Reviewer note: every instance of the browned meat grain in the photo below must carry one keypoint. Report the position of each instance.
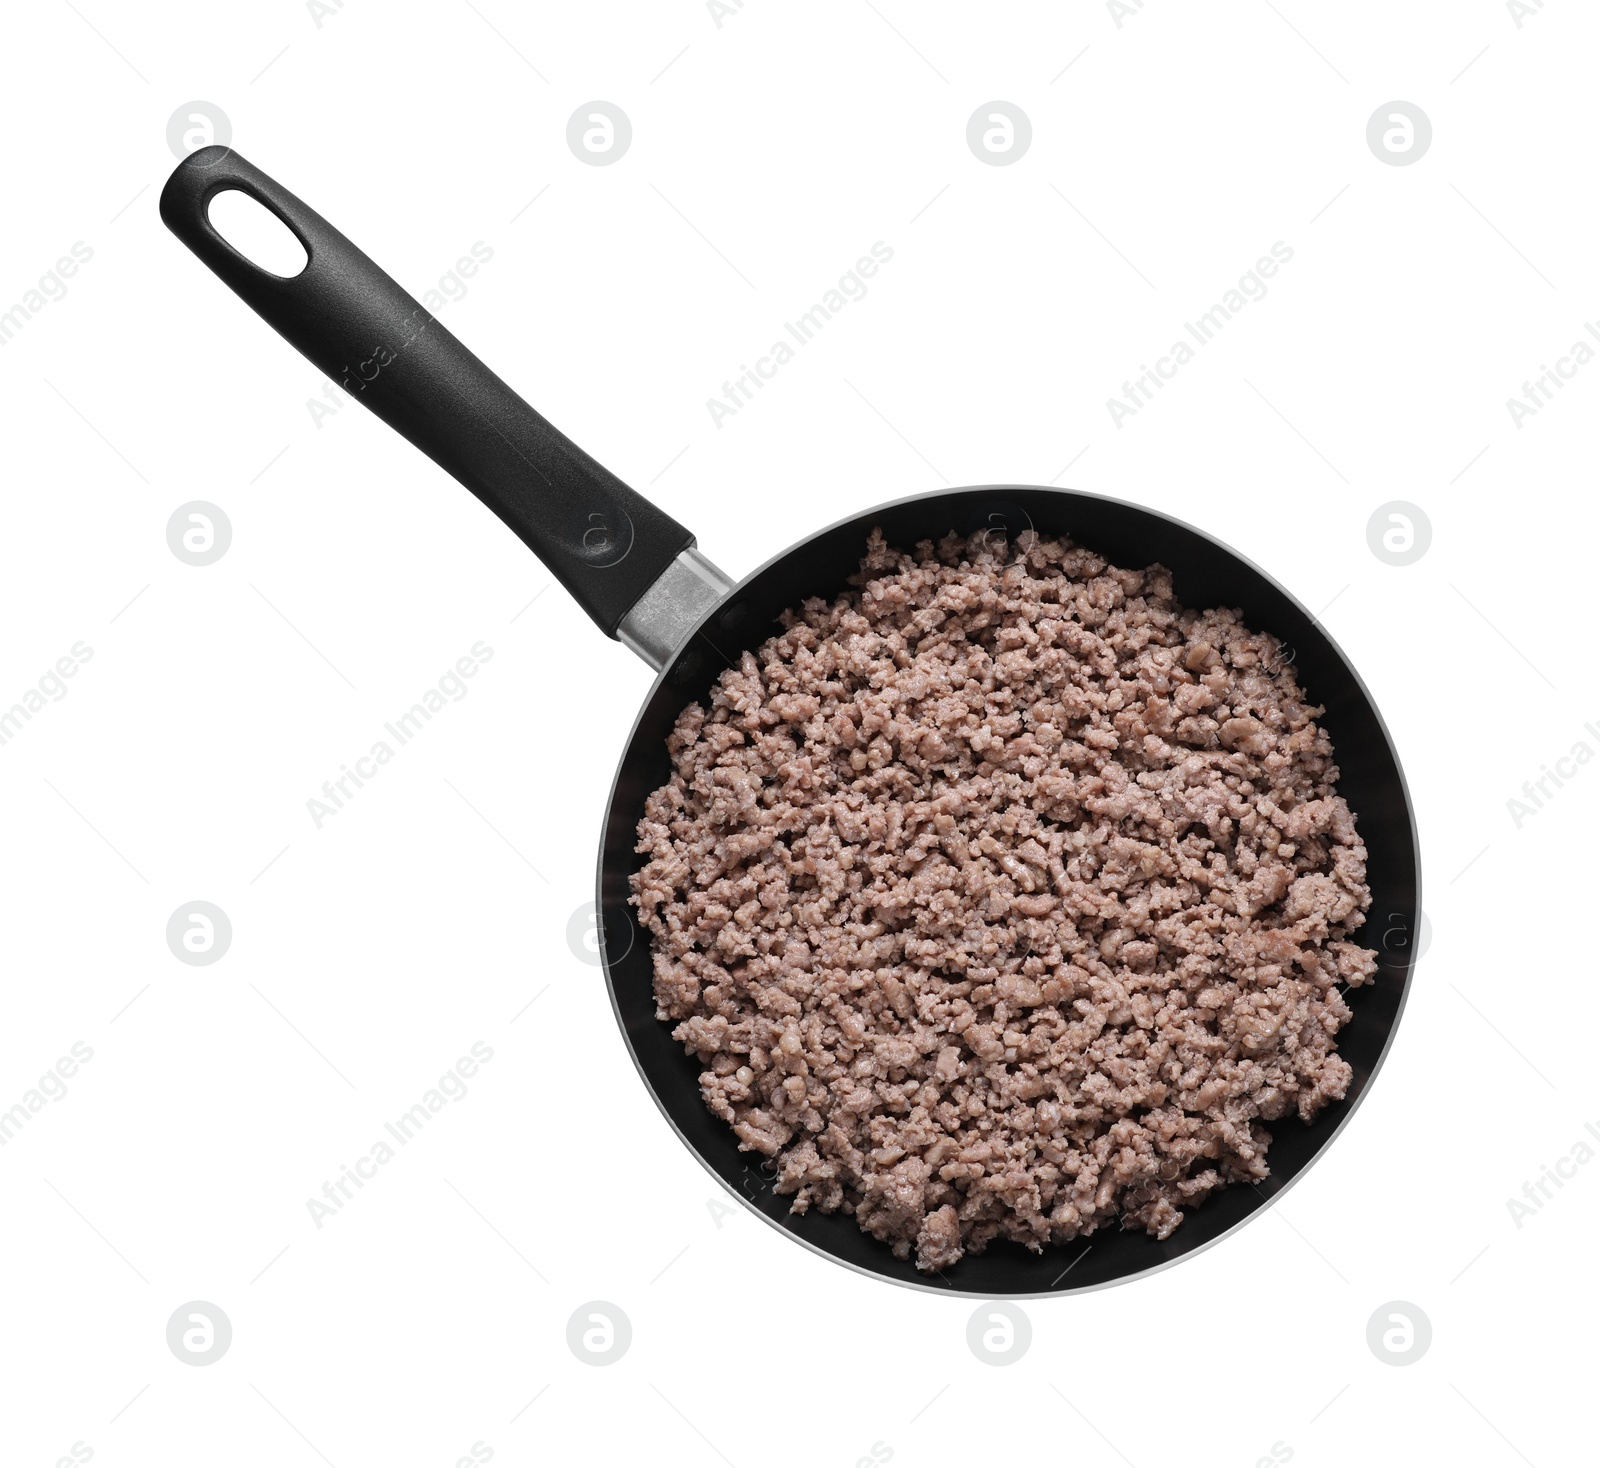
(1004, 897)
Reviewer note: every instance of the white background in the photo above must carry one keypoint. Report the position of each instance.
(1169, 153)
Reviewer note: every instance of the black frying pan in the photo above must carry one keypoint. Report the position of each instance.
(636, 572)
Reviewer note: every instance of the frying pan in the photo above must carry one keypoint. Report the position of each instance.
(638, 574)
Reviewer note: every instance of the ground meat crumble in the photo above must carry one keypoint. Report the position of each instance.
(1004, 897)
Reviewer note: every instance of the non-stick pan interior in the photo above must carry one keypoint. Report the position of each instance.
(1205, 574)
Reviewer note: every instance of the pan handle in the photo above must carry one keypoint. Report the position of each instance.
(608, 545)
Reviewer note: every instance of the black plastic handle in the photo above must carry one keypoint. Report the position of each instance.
(605, 543)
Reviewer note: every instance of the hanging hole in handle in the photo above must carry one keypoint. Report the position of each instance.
(257, 233)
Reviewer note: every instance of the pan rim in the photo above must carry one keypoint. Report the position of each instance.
(950, 1287)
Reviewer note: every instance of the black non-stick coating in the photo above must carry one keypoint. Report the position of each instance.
(1206, 574)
